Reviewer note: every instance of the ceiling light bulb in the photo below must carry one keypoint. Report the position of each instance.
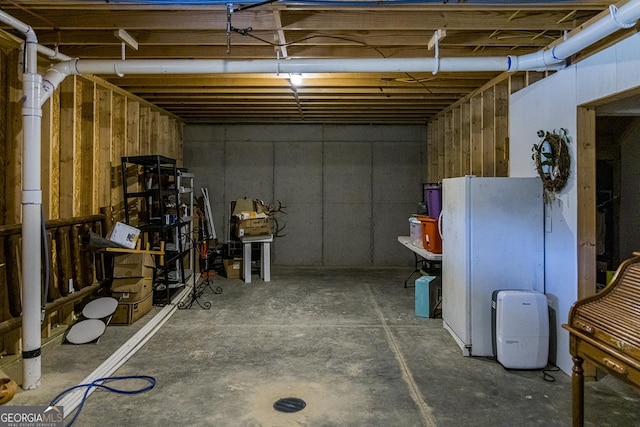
(296, 79)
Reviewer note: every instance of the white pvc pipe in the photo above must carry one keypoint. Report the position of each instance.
(14, 23)
(53, 54)
(31, 218)
(275, 66)
(627, 14)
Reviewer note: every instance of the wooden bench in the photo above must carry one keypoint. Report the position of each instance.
(604, 329)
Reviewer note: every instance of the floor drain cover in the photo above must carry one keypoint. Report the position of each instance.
(289, 404)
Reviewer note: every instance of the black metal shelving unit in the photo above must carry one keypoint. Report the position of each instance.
(154, 209)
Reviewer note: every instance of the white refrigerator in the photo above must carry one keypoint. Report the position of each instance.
(492, 239)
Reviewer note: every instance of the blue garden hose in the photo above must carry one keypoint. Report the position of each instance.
(100, 383)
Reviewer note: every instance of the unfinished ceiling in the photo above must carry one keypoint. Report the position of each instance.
(302, 30)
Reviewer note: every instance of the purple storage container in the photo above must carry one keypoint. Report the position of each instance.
(433, 199)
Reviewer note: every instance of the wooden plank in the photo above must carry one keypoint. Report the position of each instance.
(428, 161)
(54, 149)
(586, 221)
(448, 145)
(154, 129)
(86, 258)
(435, 160)
(13, 267)
(102, 189)
(133, 125)
(4, 294)
(45, 157)
(77, 149)
(441, 148)
(502, 129)
(64, 260)
(586, 186)
(12, 340)
(67, 145)
(164, 137)
(488, 133)
(54, 276)
(87, 144)
(534, 76)
(118, 144)
(3, 130)
(465, 138)
(516, 82)
(76, 265)
(455, 142)
(174, 145)
(178, 138)
(14, 140)
(145, 130)
(476, 135)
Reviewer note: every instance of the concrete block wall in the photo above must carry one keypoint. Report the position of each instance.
(348, 189)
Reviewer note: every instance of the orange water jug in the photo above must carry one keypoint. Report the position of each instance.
(431, 239)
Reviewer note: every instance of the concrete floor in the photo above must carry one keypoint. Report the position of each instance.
(344, 340)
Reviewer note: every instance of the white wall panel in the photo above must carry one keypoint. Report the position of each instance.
(550, 104)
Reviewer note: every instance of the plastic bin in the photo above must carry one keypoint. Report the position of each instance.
(428, 292)
(433, 199)
(415, 231)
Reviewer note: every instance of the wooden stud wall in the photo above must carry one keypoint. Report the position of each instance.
(472, 136)
(87, 126)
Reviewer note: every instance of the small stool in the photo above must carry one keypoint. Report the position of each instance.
(265, 256)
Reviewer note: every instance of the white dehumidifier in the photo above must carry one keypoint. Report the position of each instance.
(520, 325)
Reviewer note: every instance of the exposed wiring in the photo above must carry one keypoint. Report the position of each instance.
(100, 383)
(246, 32)
(545, 371)
(547, 376)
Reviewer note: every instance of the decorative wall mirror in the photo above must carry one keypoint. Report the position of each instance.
(552, 161)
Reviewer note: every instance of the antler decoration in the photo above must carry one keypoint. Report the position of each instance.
(271, 210)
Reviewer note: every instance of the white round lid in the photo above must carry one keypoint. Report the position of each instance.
(100, 308)
(86, 331)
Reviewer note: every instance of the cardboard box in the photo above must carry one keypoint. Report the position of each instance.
(133, 265)
(129, 312)
(232, 268)
(253, 227)
(124, 235)
(131, 289)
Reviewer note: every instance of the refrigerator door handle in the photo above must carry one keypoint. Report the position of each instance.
(440, 224)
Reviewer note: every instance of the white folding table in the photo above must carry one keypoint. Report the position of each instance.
(426, 256)
(265, 256)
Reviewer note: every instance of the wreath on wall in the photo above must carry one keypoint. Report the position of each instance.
(552, 161)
